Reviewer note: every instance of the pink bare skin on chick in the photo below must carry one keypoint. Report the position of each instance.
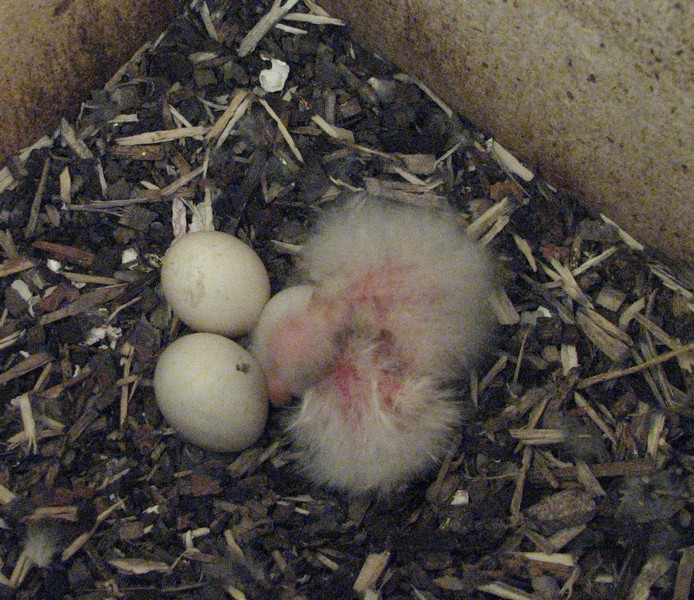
(302, 346)
(400, 309)
(366, 372)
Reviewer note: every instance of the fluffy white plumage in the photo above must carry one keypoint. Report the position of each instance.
(399, 309)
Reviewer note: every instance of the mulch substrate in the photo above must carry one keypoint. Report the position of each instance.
(573, 473)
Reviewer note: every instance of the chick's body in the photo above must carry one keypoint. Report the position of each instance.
(399, 308)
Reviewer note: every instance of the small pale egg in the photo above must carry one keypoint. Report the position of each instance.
(212, 392)
(279, 306)
(215, 283)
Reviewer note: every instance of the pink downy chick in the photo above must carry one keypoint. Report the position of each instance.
(301, 347)
(399, 310)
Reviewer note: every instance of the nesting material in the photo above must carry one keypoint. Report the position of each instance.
(400, 309)
(586, 387)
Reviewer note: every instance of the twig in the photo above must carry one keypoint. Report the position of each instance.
(128, 353)
(36, 204)
(8, 245)
(503, 590)
(266, 23)
(638, 467)
(115, 80)
(28, 422)
(486, 220)
(508, 161)
(516, 516)
(15, 265)
(427, 90)
(435, 489)
(313, 19)
(82, 539)
(597, 419)
(148, 197)
(69, 136)
(54, 392)
(283, 130)
(84, 302)
(158, 137)
(654, 569)
(371, 570)
(636, 368)
(237, 107)
(35, 361)
(207, 21)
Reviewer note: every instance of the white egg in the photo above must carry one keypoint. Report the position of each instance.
(215, 283)
(212, 392)
(279, 306)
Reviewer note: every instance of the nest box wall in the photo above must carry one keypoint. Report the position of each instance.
(54, 52)
(599, 97)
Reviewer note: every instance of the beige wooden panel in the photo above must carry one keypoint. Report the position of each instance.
(598, 95)
(53, 52)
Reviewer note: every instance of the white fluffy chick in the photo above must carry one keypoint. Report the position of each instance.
(399, 309)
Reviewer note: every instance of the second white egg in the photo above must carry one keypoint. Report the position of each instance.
(212, 391)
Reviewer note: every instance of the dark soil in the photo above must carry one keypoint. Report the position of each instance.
(561, 483)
